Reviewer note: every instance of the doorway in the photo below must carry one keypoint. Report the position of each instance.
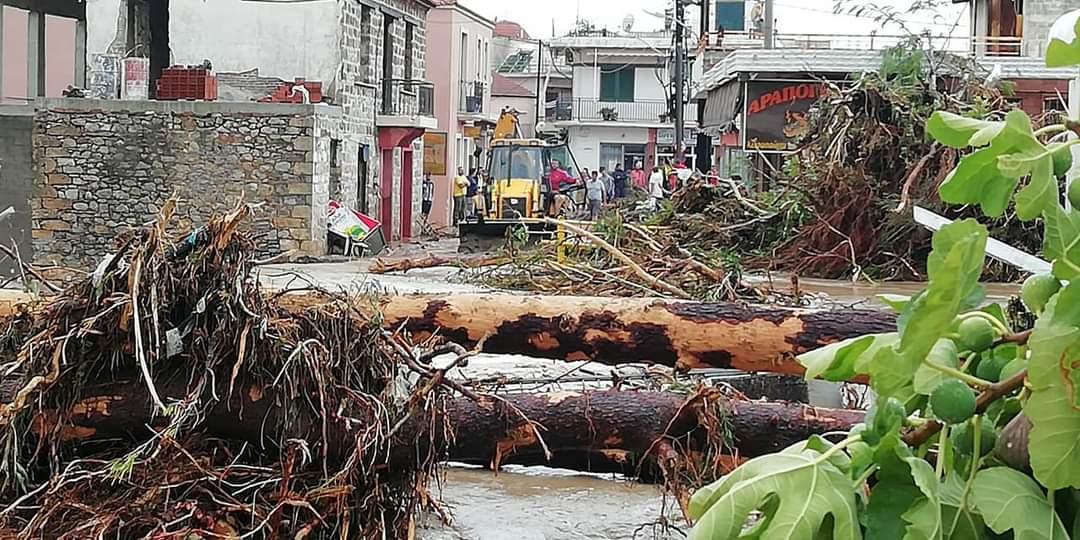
(362, 180)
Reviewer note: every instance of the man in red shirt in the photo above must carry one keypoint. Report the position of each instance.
(557, 179)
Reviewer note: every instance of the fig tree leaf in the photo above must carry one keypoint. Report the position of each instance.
(1041, 192)
(1052, 406)
(800, 495)
(904, 500)
(927, 378)
(958, 131)
(954, 267)
(959, 521)
(1064, 47)
(979, 178)
(1010, 500)
(841, 361)
(1061, 243)
(896, 302)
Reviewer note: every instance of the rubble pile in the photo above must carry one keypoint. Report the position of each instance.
(167, 396)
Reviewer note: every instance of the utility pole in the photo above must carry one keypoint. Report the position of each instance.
(680, 78)
(767, 25)
(539, 91)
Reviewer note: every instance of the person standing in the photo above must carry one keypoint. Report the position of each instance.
(461, 186)
(656, 188)
(427, 196)
(470, 195)
(620, 180)
(609, 184)
(595, 192)
(557, 178)
(638, 177)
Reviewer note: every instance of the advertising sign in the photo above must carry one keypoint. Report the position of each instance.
(776, 113)
(435, 153)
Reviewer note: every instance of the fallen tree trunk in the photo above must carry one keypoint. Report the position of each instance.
(684, 335)
(604, 431)
(385, 265)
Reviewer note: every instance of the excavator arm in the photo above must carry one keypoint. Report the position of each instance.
(507, 127)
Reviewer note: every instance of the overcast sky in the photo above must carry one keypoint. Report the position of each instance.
(793, 16)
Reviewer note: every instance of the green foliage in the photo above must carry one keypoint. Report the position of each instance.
(1052, 407)
(951, 348)
(801, 493)
(1064, 46)
(1011, 501)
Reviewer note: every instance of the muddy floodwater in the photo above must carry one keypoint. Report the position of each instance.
(538, 503)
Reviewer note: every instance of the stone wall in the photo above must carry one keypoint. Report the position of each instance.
(16, 184)
(101, 166)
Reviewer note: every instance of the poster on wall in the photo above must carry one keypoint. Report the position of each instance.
(435, 153)
(776, 113)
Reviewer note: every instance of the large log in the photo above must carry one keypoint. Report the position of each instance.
(681, 334)
(602, 431)
(684, 335)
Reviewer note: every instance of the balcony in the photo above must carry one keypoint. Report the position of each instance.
(978, 46)
(472, 98)
(407, 103)
(593, 111)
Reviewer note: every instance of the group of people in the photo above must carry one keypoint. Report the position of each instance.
(470, 193)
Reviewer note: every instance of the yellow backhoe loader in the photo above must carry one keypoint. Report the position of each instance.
(518, 177)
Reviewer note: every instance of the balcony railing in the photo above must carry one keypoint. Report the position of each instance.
(401, 97)
(472, 97)
(594, 110)
(977, 46)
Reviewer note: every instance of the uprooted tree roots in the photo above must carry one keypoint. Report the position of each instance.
(182, 316)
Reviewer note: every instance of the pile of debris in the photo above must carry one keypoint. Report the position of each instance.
(167, 395)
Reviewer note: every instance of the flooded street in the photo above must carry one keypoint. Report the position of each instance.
(538, 503)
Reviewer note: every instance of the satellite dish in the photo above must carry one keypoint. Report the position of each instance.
(628, 22)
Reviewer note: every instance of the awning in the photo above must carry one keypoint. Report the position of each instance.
(723, 105)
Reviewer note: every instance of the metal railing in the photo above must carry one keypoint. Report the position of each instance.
(406, 97)
(596, 110)
(472, 97)
(978, 46)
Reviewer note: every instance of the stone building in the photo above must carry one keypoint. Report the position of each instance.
(360, 146)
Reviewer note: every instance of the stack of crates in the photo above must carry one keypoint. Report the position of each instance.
(187, 83)
(284, 93)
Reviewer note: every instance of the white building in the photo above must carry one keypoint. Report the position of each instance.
(619, 110)
(521, 66)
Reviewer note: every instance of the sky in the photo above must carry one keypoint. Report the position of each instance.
(793, 16)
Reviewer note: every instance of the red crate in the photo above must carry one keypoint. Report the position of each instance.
(187, 83)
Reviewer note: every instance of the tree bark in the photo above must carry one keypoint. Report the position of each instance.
(615, 331)
(684, 335)
(602, 431)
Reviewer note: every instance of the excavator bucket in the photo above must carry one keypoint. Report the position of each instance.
(494, 235)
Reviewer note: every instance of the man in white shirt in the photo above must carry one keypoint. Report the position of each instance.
(595, 192)
(656, 188)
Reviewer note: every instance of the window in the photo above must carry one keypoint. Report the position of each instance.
(463, 69)
(409, 51)
(616, 83)
(365, 43)
(1053, 104)
(479, 55)
(388, 48)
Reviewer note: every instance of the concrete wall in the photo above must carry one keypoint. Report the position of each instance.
(59, 55)
(282, 40)
(646, 84)
(1039, 16)
(100, 166)
(16, 185)
(585, 141)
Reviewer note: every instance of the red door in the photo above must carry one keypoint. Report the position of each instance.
(406, 193)
(386, 194)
